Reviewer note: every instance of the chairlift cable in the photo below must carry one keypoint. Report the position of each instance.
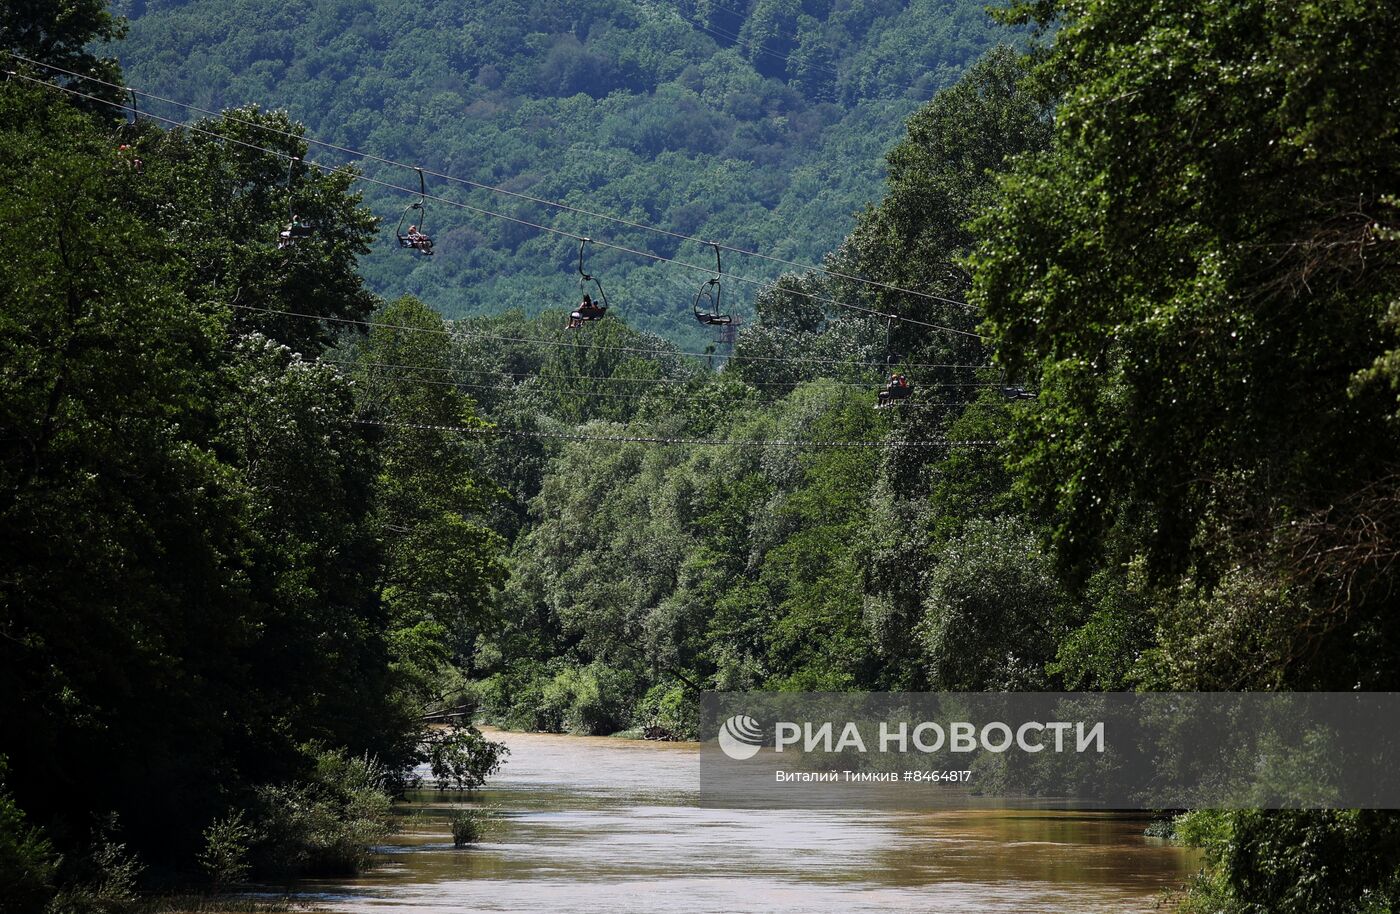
(524, 387)
(615, 379)
(488, 431)
(504, 191)
(566, 344)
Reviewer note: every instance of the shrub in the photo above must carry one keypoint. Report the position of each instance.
(516, 699)
(593, 700)
(103, 881)
(28, 861)
(226, 848)
(326, 825)
(468, 826)
(462, 759)
(1163, 827)
(669, 712)
(556, 697)
(1295, 861)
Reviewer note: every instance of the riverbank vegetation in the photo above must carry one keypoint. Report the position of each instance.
(243, 530)
(209, 611)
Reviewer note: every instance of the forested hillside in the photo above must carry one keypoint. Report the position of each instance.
(760, 124)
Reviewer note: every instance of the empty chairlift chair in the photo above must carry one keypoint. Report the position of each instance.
(707, 304)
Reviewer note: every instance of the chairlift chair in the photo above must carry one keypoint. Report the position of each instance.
(297, 228)
(589, 308)
(416, 238)
(710, 294)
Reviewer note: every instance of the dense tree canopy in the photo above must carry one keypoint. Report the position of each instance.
(1203, 272)
(198, 578)
(62, 33)
(756, 123)
(1200, 271)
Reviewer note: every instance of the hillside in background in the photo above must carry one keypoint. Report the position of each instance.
(761, 123)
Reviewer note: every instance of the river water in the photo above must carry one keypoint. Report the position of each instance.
(585, 824)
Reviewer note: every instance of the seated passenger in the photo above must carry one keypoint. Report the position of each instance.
(588, 310)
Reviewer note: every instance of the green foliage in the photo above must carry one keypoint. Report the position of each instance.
(596, 699)
(1290, 862)
(460, 758)
(1189, 370)
(325, 824)
(644, 111)
(1202, 270)
(943, 174)
(514, 698)
(468, 825)
(221, 204)
(101, 880)
(62, 33)
(28, 861)
(116, 514)
(561, 697)
(1105, 650)
(439, 556)
(230, 532)
(994, 611)
(226, 849)
(640, 571)
(194, 576)
(669, 711)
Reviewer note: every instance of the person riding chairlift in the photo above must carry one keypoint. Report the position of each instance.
(419, 240)
(898, 389)
(127, 152)
(297, 228)
(587, 311)
(286, 238)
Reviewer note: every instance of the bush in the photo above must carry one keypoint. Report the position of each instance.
(1295, 862)
(103, 881)
(516, 698)
(468, 825)
(462, 759)
(1164, 828)
(28, 861)
(554, 698)
(594, 700)
(668, 712)
(326, 825)
(226, 848)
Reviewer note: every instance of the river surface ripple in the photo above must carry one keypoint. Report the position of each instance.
(585, 824)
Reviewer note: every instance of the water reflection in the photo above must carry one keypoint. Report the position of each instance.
(598, 825)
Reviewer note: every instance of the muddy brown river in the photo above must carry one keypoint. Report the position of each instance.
(585, 824)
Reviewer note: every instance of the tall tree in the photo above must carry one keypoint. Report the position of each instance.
(222, 190)
(1204, 269)
(63, 33)
(115, 514)
(189, 566)
(441, 560)
(1198, 269)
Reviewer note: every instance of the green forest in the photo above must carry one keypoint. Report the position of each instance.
(265, 508)
(761, 125)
